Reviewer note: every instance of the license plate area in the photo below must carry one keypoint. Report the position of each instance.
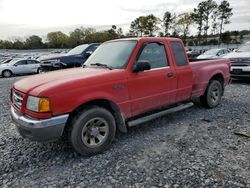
(237, 71)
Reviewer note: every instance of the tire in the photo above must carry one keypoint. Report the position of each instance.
(92, 131)
(6, 73)
(213, 94)
(38, 71)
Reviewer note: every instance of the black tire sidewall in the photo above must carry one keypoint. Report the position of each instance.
(211, 85)
(6, 71)
(81, 120)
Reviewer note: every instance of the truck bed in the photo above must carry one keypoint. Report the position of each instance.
(203, 70)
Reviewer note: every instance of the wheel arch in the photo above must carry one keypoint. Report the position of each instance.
(109, 105)
(220, 78)
(6, 70)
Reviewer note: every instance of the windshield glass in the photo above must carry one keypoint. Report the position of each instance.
(244, 48)
(113, 54)
(211, 52)
(78, 50)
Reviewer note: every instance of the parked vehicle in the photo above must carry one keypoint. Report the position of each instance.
(7, 60)
(74, 58)
(214, 53)
(19, 66)
(193, 53)
(124, 83)
(240, 61)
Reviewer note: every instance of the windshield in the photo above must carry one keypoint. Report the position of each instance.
(113, 54)
(78, 50)
(211, 52)
(244, 48)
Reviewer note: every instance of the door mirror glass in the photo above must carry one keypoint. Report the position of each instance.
(141, 65)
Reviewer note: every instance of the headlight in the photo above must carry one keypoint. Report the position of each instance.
(38, 104)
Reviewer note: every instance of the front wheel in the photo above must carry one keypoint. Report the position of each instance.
(213, 94)
(92, 131)
(6, 73)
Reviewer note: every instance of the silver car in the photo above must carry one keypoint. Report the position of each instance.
(19, 66)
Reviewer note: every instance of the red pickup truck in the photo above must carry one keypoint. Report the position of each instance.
(124, 83)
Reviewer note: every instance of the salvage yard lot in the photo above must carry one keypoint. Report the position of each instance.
(196, 147)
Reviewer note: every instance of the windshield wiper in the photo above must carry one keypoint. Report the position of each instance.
(102, 65)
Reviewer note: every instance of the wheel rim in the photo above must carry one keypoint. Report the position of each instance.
(214, 94)
(95, 132)
(7, 74)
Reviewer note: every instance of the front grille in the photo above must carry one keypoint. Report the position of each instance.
(17, 99)
(240, 65)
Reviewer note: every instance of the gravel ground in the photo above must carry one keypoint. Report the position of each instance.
(192, 148)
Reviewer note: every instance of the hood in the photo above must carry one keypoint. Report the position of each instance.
(48, 84)
(51, 57)
(238, 55)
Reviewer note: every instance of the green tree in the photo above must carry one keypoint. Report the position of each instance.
(197, 16)
(76, 37)
(34, 42)
(183, 25)
(139, 26)
(57, 39)
(151, 24)
(209, 6)
(226, 37)
(144, 25)
(168, 20)
(6, 44)
(224, 12)
(18, 44)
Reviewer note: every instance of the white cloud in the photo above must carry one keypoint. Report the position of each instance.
(24, 17)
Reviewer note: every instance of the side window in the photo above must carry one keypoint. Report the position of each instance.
(22, 62)
(93, 48)
(179, 55)
(221, 52)
(154, 53)
(31, 62)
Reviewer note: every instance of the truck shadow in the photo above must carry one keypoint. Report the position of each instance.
(245, 81)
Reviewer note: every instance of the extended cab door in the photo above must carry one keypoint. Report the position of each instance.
(154, 88)
(184, 73)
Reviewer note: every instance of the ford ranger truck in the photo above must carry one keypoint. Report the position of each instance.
(125, 82)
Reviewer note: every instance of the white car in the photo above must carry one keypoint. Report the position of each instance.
(214, 53)
(19, 66)
(240, 61)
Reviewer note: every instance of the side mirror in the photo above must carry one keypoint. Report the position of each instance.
(141, 65)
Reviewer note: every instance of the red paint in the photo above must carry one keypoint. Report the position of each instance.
(140, 92)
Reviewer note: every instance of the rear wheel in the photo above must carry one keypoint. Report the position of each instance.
(92, 131)
(6, 73)
(213, 94)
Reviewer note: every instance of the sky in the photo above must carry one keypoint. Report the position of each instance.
(21, 18)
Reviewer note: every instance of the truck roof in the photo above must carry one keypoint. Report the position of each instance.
(147, 38)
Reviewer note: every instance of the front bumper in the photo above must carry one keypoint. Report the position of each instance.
(39, 130)
(240, 71)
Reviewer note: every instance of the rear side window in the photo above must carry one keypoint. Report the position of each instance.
(179, 54)
(154, 53)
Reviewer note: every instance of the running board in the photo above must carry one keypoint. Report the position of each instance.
(159, 114)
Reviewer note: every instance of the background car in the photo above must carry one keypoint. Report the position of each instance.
(19, 66)
(193, 53)
(240, 61)
(214, 53)
(74, 58)
(4, 61)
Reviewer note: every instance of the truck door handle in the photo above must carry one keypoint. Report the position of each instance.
(170, 75)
